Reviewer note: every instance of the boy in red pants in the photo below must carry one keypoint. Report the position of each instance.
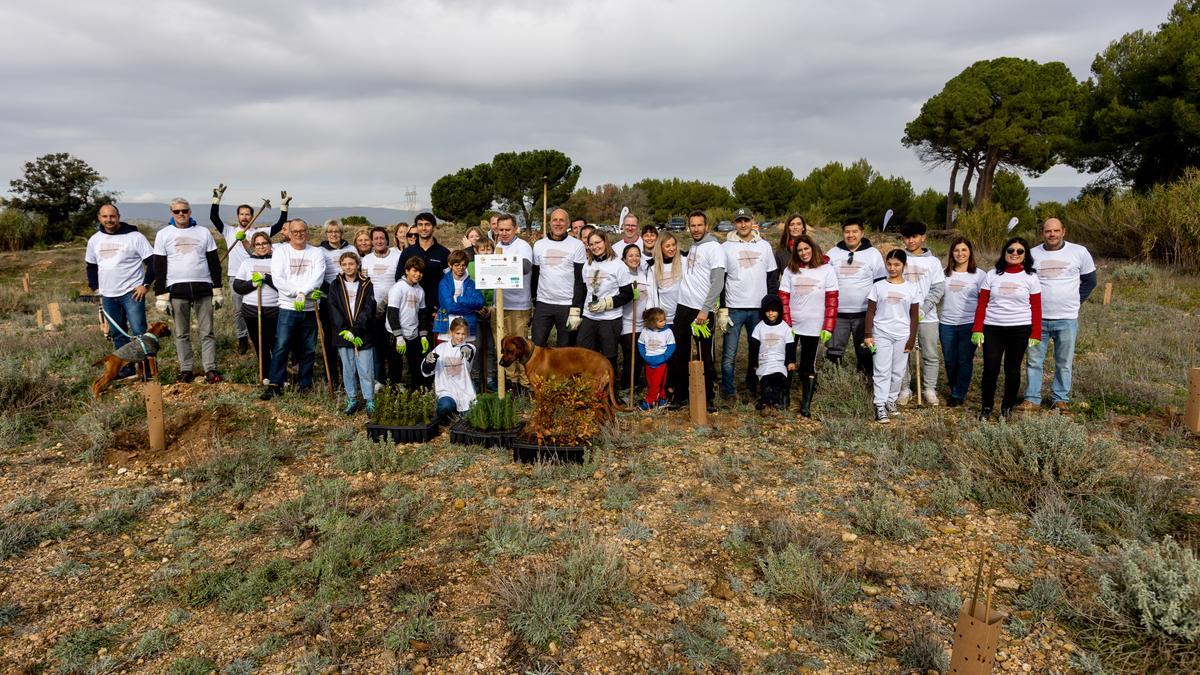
(656, 344)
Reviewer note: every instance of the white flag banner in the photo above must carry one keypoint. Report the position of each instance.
(954, 215)
(621, 220)
(1012, 223)
(886, 217)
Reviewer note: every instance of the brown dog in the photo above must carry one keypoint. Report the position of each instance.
(544, 362)
(130, 353)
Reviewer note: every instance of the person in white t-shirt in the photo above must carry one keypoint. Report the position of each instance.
(893, 309)
(1068, 276)
(120, 269)
(668, 271)
(923, 270)
(772, 350)
(859, 265)
(253, 281)
(297, 272)
(557, 280)
(449, 364)
(963, 281)
(1008, 321)
(609, 288)
(700, 289)
(518, 303)
(809, 291)
(380, 266)
(188, 276)
(645, 295)
(751, 274)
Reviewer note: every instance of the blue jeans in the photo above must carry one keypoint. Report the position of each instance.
(1063, 332)
(295, 331)
(743, 319)
(358, 372)
(959, 355)
(127, 315)
(446, 406)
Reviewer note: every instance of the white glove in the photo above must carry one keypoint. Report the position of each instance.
(218, 299)
(724, 323)
(432, 358)
(467, 351)
(162, 303)
(601, 305)
(574, 318)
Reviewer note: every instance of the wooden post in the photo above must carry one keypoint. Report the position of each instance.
(55, 314)
(499, 336)
(1191, 418)
(25, 282)
(697, 402)
(41, 319)
(154, 407)
(1107, 292)
(545, 198)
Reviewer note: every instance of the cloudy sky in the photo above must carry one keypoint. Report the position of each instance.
(353, 102)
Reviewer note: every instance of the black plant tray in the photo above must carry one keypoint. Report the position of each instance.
(463, 433)
(532, 451)
(413, 434)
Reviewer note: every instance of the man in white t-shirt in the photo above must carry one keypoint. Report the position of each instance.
(699, 290)
(924, 271)
(750, 274)
(557, 281)
(518, 304)
(1068, 276)
(297, 272)
(858, 265)
(120, 269)
(187, 274)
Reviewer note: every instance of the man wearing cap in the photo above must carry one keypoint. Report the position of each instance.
(924, 271)
(750, 274)
(1068, 276)
(699, 290)
(858, 265)
(557, 283)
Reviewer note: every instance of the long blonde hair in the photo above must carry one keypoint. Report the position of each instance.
(676, 269)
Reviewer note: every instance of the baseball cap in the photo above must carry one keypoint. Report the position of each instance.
(742, 214)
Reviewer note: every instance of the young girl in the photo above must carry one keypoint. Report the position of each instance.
(1008, 320)
(956, 318)
(656, 344)
(645, 295)
(255, 273)
(450, 366)
(809, 291)
(773, 350)
(457, 297)
(891, 331)
(609, 287)
(351, 305)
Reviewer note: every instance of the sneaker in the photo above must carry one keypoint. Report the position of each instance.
(985, 414)
(243, 345)
(661, 403)
(371, 407)
(905, 397)
(184, 376)
(1028, 406)
(891, 408)
(351, 407)
(644, 405)
(712, 408)
(953, 402)
(270, 392)
(881, 415)
(212, 377)
(931, 398)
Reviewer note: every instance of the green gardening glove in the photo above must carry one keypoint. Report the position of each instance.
(976, 339)
(257, 279)
(357, 342)
(298, 305)
(346, 335)
(424, 344)
(240, 235)
(1033, 342)
(401, 346)
(315, 295)
(701, 330)
(825, 336)
(635, 292)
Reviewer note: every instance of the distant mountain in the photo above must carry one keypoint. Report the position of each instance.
(157, 214)
(1061, 194)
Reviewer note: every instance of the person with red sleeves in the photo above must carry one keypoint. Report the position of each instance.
(1008, 321)
(809, 291)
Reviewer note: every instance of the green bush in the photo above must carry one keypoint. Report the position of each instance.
(20, 229)
(398, 407)
(985, 226)
(489, 412)
(797, 575)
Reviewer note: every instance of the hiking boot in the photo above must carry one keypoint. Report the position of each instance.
(985, 414)
(711, 408)
(1061, 407)
(930, 397)
(213, 377)
(270, 392)
(185, 376)
(243, 344)
(1028, 406)
(809, 384)
(660, 403)
(351, 407)
(881, 415)
(953, 402)
(905, 397)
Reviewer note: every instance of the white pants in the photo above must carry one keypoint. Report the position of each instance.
(927, 341)
(890, 363)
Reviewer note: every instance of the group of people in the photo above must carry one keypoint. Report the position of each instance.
(645, 302)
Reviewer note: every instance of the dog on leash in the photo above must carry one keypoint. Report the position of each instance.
(544, 362)
(136, 352)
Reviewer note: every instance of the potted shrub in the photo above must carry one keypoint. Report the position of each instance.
(491, 422)
(567, 414)
(404, 416)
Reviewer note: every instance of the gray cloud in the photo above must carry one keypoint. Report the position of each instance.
(349, 103)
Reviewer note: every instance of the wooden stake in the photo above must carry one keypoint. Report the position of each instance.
(260, 344)
(25, 282)
(41, 319)
(154, 407)
(1107, 292)
(55, 314)
(321, 346)
(1191, 418)
(499, 336)
(545, 198)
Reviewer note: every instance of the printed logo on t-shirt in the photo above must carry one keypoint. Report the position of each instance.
(379, 270)
(1009, 288)
(410, 301)
(453, 365)
(771, 340)
(554, 257)
(298, 266)
(956, 285)
(850, 269)
(804, 285)
(1052, 269)
(914, 273)
(748, 259)
(654, 342)
(186, 246)
(110, 250)
(894, 298)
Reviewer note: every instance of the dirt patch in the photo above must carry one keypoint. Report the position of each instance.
(190, 435)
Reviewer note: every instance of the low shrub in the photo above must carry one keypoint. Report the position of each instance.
(566, 411)
(885, 516)
(489, 412)
(399, 407)
(796, 575)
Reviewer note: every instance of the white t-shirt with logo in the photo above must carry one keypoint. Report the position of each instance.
(603, 279)
(333, 260)
(962, 297)
(452, 375)
(746, 266)
(893, 303)
(924, 271)
(296, 274)
(408, 300)
(186, 250)
(556, 262)
(1008, 302)
(701, 260)
(239, 250)
(118, 260)
(656, 341)
(647, 298)
(270, 297)
(518, 298)
(668, 287)
(772, 347)
(806, 291)
(1059, 272)
(855, 279)
(381, 270)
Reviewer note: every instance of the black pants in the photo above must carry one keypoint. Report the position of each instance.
(806, 362)
(602, 336)
(483, 366)
(677, 368)
(269, 315)
(1007, 345)
(387, 361)
(772, 389)
(412, 360)
(851, 327)
(545, 317)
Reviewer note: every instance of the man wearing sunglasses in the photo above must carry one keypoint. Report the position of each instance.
(187, 273)
(858, 266)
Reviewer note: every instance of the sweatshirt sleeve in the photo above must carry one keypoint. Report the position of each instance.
(936, 291)
(278, 226)
(214, 217)
(160, 272)
(93, 276)
(831, 308)
(214, 267)
(1087, 284)
(786, 299)
(580, 289)
(981, 310)
(716, 286)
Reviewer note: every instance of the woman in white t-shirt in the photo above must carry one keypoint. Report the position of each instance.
(809, 291)
(609, 287)
(252, 280)
(645, 297)
(668, 270)
(890, 331)
(1008, 320)
(957, 315)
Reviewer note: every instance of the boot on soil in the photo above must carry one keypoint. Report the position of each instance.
(808, 384)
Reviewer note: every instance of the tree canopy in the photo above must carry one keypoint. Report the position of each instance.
(517, 180)
(840, 192)
(464, 195)
(675, 197)
(766, 191)
(63, 189)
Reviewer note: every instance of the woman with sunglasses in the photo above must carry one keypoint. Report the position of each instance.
(1008, 320)
(255, 273)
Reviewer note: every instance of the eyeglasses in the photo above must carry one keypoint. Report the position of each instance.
(1015, 251)
(410, 236)
(180, 212)
(850, 258)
